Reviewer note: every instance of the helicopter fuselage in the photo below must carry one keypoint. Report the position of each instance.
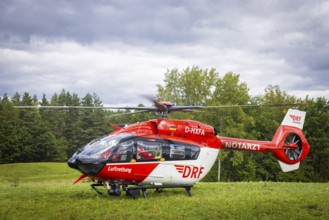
(156, 152)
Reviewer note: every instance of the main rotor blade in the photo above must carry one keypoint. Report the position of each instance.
(58, 107)
(85, 107)
(157, 107)
(249, 106)
(146, 108)
(128, 113)
(183, 108)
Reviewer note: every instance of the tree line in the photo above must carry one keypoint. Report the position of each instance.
(33, 135)
(29, 135)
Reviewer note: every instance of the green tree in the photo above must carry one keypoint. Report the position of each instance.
(93, 122)
(55, 117)
(16, 99)
(64, 123)
(72, 123)
(192, 86)
(229, 90)
(234, 122)
(36, 142)
(316, 129)
(9, 134)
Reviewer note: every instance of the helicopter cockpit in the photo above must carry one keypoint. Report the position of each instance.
(91, 158)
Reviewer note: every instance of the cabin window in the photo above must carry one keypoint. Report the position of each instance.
(180, 151)
(177, 151)
(192, 152)
(148, 150)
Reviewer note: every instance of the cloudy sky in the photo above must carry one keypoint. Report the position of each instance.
(121, 49)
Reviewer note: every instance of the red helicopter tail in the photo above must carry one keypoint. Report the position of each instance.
(288, 145)
(291, 146)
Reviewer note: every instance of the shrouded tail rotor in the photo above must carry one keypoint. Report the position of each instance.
(293, 146)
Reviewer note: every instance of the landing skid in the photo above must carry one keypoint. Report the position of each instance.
(96, 190)
(135, 191)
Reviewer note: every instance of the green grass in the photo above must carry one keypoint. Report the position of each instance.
(45, 191)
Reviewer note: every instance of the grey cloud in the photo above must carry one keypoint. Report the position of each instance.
(291, 37)
(88, 21)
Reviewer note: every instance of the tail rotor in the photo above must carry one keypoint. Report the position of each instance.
(293, 146)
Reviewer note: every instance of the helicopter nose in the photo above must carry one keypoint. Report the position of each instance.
(87, 166)
(72, 163)
(91, 169)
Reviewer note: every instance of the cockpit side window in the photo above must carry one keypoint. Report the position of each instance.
(148, 150)
(180, 151)
(123, 152)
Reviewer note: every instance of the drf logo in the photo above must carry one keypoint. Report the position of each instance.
(296, 118)
(189, 171)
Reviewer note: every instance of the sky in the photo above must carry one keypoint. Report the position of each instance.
(122, 49)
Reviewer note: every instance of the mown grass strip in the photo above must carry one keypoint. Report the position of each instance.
(51, 195)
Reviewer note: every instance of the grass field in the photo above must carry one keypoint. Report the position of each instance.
(45, 191)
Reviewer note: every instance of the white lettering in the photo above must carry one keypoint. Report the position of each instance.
(119, 169)
(241, 146)
(197, 131)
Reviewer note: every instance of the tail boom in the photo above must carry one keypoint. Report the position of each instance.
(288, 145)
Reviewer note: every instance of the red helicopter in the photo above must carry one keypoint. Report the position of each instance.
(165, 153)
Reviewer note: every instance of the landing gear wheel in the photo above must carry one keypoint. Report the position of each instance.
(115, 189)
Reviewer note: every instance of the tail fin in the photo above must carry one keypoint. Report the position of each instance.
(290, 144)
(294, 118)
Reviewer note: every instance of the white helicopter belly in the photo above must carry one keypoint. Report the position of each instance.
(183, 171)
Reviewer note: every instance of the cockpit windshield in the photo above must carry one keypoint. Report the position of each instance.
(99, 149)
